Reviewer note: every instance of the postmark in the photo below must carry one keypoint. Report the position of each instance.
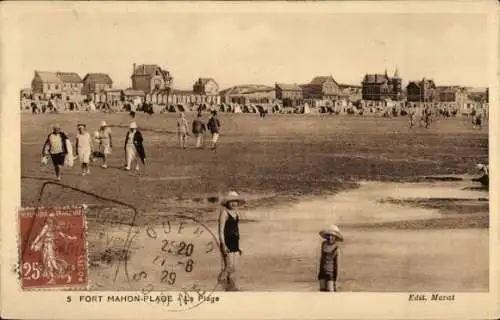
(53, 249)
(179, 257)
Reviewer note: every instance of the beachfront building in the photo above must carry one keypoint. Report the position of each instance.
(321, 88)
(381, 87)
(206, 86)
(290, 95)
(421, 91)
(64, 85)
(94, 83)
(350, 92)
(150, 77)
(248, 94)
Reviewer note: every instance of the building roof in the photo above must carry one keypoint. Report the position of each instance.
(149, 69)
(48, 76)
(375, 78)
(289, 87)
(98, 78)
(204, 81)
(321, 80)
(414, 84)
(247, 89)
(69, 77)
(418, 83)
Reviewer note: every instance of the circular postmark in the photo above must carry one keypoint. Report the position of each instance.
(178, 261)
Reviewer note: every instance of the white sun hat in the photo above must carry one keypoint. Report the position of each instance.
(334, 230)
(232, 196)
(103, 124)
(133, 125)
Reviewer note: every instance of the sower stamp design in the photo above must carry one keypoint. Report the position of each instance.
(179, 256)
(53, 248)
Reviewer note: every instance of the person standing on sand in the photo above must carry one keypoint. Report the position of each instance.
(56, 146)
(213, 126)
(134, 147)
(412, 113)
(182, 130)
(229, 237)
(199, 129)
(106, 142)
(484, 179)
(84, 148)
(328, 265)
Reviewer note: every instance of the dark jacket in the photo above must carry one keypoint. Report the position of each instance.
(63, 140)
(213, 125)
(138, 143)
(199, 126)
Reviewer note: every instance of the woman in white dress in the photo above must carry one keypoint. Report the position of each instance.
(106, 142)
(83, 148)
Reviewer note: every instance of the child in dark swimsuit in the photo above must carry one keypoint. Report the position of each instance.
(229, 237)
(328, 268)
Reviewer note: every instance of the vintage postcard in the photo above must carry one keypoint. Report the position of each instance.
(230, 160)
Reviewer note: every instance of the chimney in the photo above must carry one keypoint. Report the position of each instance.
(133, 71)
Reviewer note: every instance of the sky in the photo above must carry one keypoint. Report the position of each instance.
(253, 47)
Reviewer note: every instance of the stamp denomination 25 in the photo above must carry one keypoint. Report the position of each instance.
(53, 250)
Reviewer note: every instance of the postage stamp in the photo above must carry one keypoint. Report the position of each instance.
(53, 250)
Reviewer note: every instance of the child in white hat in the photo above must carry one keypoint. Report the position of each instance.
(328, 268)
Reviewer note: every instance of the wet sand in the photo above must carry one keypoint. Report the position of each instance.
(281, 243)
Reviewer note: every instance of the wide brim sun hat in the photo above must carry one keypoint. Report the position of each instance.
(232, 196)
(333, 230)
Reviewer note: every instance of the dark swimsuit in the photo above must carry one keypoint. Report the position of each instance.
(232, 233)
(328, 263)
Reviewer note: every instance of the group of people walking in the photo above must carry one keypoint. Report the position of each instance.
(199, 130)
(90, 148)
(99, 146)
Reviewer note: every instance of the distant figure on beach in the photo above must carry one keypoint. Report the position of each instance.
(182, 130)
(412, 114)
(328, 264)
(199, 129)
(484, 179)
(477, 120)
(229, 237)
(427, 113)
(213, 126)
